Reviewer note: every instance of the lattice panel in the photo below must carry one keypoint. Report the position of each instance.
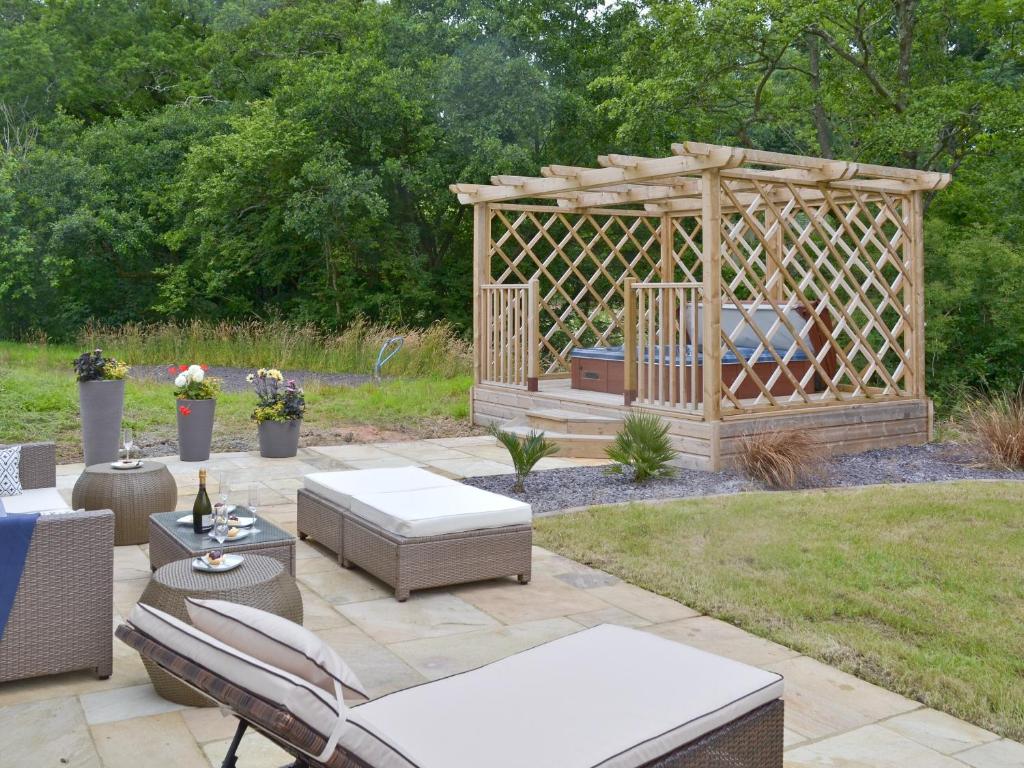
(687, 249)
(580, 262)
(817, 294)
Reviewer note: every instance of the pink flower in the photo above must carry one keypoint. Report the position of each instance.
(204, 366)
(172, 370)
(182, 368)
(184, 410)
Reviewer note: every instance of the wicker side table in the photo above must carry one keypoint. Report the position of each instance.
(132, 494)
(260, 582)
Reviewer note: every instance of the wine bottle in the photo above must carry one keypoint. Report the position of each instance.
(202, 510)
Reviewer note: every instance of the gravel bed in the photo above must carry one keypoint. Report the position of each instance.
(233, 379)
(557, 489)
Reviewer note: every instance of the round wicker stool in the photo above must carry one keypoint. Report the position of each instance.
(132, 494)
(261, 582)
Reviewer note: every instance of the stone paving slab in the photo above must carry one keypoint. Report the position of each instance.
(832, 719)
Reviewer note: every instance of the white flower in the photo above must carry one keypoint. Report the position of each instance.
(249, 378)
(198, 376)
(195, 370)
(181, 380)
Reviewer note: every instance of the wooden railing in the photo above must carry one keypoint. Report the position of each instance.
(511, 344)
(661, 335)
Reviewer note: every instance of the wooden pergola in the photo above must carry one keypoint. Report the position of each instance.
(810, 290)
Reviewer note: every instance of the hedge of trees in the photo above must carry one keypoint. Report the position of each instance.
(250, 158)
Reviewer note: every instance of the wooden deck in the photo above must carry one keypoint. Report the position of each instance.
(859, 426)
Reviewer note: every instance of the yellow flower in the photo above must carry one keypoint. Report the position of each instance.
(275, 374)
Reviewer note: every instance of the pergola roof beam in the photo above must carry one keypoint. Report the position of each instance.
(595, 178)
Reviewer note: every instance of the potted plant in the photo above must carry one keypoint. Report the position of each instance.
(278, 413)
(101, 404)
(197, 400)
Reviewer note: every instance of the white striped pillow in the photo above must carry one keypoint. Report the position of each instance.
(323, 713)
(276, 641)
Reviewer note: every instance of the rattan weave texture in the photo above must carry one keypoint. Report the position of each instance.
(407, 564)
(169, 541)
(260, 582)
(60, 621)
(751, 741)
(133, 495)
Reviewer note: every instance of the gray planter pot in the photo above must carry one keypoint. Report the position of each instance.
(101, 404)
(195, 431)
(279, 439)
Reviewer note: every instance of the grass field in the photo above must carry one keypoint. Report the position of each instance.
(39, 401)
(918, 588)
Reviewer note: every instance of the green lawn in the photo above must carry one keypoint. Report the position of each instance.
(39, 401)
(919, 589)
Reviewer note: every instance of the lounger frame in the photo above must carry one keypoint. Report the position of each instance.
(751, 741)
(415, 563)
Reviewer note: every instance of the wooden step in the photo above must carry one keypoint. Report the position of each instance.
(572, 422)
(570, 446)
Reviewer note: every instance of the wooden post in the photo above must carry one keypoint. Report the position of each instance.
(773, 255)
(711, 344)
(915, 377)
(481, 276)
(629, 342)
(668, 262)
(533, 335)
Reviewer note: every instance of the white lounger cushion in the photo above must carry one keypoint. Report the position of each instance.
(275, 640)
(608, 696)
(340, 487)
(46, 501)
(438, 511)
(308, 703)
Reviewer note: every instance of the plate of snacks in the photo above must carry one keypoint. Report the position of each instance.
(238, 521)
(217, 560)
(233, 533)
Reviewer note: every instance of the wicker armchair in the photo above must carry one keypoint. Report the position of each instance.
(61, 619)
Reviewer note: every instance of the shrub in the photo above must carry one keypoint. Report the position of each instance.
(779, 458)
(995, 425)
(276, 402)
(93, 366)
(525, 452)
(642, 444)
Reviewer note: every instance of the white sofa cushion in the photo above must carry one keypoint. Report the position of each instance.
(438, 511)
(275, 640)
(606, 696)
(46, 501)
(319, 710)
(10, 471)
(340, 487)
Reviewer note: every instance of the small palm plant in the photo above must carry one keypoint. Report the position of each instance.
(525, 452)
(643, 445)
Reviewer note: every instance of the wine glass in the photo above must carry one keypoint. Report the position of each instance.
(219, 532)
(129, 443)
(224, 489)
(254, 501)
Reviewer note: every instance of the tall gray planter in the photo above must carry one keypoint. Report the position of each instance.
(101, 404)
(279, 439)
(195, 431)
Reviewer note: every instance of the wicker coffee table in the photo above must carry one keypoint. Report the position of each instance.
(132, 494)
(169, 541)
(260, 582)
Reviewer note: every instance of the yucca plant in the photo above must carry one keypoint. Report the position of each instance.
(643, 445)
(779, 458)
(525, 452)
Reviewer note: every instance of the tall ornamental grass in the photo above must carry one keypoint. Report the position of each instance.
(994, 423)
(435, 351)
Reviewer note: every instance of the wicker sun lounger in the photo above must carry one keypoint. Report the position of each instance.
(60, 621)
(353, 522)
(747, 737)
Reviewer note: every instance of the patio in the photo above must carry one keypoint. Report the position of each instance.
(831, 718)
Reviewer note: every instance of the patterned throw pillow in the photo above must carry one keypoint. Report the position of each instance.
(10, 468)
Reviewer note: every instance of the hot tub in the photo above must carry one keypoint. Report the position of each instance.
(601, 369)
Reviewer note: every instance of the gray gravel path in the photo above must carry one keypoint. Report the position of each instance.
(557, 489)
(233, 379)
